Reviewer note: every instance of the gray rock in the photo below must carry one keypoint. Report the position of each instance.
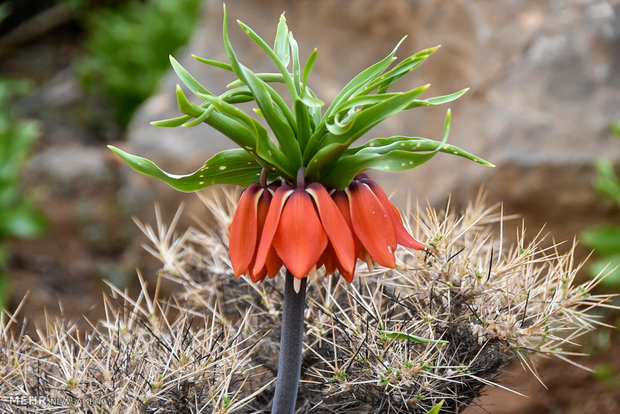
(69, 168)
(544, 78)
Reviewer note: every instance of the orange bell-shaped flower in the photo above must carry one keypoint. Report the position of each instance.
(246, 229)
(374, 221)
(300, 224)
(304, 228)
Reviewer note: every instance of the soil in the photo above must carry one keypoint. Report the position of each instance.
(91, 237)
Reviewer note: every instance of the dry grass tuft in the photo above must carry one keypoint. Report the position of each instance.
(439, 327)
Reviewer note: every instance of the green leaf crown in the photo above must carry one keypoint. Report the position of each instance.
(302, 134)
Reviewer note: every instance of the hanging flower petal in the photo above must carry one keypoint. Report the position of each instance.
(271, 225)
(273, 262)
(334, 225)
(260, 276)
(342, 202)
(244, 230)
(328, 259)
(402, 235)
(371, 224)
(300, 239)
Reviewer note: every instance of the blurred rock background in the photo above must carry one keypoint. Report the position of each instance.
(545, 88)
(544, 78)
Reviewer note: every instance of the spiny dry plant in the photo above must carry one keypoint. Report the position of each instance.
(438, 327)
(146, 356)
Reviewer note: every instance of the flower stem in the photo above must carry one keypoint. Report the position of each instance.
(291, 339)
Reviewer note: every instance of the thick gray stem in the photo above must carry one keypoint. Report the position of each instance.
(291, 340)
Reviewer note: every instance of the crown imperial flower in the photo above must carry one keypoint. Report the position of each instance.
(320, 209)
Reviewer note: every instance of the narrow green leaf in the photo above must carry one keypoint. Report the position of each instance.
(307, 69)
(323, 157)
(436, 409)
(410, 337)
(227, 125)
(279, 124)
(216, 63)
(232, 110)
(264, 147)
(187, 79)
(393, 154)
(233, 129)
(172, 122)
(362, 79)
(303, 122)
(438, 100)
(401, 69)
(185, 106)
(346, 168)
(234, 166)
(375, 114)
(451, 149)
(365, 120)
(265, 77)
(277, 99)
(280, 45)
(259, 41)
(385, 145)
(315, 111)
(200, 119)
(366, 100)
(283, 130)
(296, 64)
(311, 102)
(237, 95)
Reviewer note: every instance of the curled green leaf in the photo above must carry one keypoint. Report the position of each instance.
(234, 166)
(172, 122)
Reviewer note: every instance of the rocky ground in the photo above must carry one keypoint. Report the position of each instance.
(545, 85)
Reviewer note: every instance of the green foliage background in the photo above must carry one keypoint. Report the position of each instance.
(18, 217)
(128, 47)
(605, 240)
